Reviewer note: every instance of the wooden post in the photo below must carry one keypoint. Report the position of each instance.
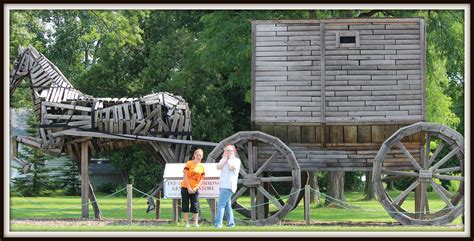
(158, 202)
(14, 144)
(85, 179)
(212, 206)
(176, 210)
(307, 194)
(129, 203)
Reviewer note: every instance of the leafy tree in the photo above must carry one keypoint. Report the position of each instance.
(137, 168)
(25, 29)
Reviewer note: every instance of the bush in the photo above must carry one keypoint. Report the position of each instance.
(107, 188)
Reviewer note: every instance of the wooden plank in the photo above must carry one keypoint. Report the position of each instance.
(423, 68)
(66, 117)
(350, 134)
(378, 134)
(389, 130)
(126, 111)
(318, 134)
(67, 106)
(308, 134)
(323, 74)
(138, 109)
(364, 134)
(294, 134)
(335, 134)
(139, 127)
(146, 129)
(281, 132)
(268, 129)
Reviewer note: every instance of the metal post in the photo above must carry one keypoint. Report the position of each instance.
(85, 179)
(307, 194)
(129, 203)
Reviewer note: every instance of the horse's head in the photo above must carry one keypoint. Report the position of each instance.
(21, 68)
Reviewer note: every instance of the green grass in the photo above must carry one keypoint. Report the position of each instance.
(115, 208)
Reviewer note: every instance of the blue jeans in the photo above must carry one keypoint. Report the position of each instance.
(224, 205)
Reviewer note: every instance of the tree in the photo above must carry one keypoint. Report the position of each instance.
(137, 168)
(38, 181)
(69, 178)
(334, 190)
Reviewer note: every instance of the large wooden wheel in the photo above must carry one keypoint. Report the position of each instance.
(437, 159)
(256, 180)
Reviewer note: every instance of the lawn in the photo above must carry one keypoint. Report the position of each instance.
(115, 208)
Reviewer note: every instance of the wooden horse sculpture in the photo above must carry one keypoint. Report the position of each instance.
(67, 117)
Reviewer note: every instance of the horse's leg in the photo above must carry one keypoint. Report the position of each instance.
(74, 153)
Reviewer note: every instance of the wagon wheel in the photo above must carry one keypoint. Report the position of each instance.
(259, 151)
(436, 159)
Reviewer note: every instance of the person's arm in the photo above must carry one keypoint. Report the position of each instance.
(221, 163)
(200, 183)
(186, 180)
(233, 164)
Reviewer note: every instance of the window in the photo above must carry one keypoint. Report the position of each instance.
(347, 39)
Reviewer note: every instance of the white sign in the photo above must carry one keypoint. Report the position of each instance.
(173, 175)
(208, 189)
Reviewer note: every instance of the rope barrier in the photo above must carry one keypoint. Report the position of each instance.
(358, 208)
(340, 203)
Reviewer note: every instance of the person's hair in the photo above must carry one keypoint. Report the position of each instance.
(201, 150)
(233, 148)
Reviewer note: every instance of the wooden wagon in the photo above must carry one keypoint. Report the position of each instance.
(345, 95)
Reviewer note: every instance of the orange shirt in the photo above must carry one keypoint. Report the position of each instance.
(195, 174)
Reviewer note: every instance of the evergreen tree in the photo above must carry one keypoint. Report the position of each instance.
(69, 177)
(38, 181)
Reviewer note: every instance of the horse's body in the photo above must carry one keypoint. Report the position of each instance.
(67, 117)
(64, 112)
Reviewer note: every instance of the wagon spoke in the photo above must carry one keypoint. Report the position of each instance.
(252, 203)
(450, 169)
(426, 150)
(277, 179)
(409, 156)
(401, 173)
(441, 194)
(277, 195)
(437, 151)
(241, 209)
(447, 177)
(427, 206)
(243, 157)
(270, 197)
(405, 193)
(267, 162)
(424, 194)
(445, 159)
(447, 193)
(238, 194)
(250, 157)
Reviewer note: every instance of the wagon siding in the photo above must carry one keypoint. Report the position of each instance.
(344, 147)
(302, 73)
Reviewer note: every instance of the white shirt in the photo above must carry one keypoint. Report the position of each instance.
(229, 177)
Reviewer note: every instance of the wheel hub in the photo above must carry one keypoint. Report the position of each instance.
(426, 175)
(251, 180)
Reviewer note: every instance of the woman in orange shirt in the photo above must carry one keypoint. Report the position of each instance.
(193, 177)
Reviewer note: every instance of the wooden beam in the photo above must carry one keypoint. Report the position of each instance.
(85, 178)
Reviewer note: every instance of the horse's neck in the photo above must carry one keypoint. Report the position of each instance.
(49, 84)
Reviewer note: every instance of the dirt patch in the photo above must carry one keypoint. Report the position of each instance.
(146, 222)
(85, 222)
